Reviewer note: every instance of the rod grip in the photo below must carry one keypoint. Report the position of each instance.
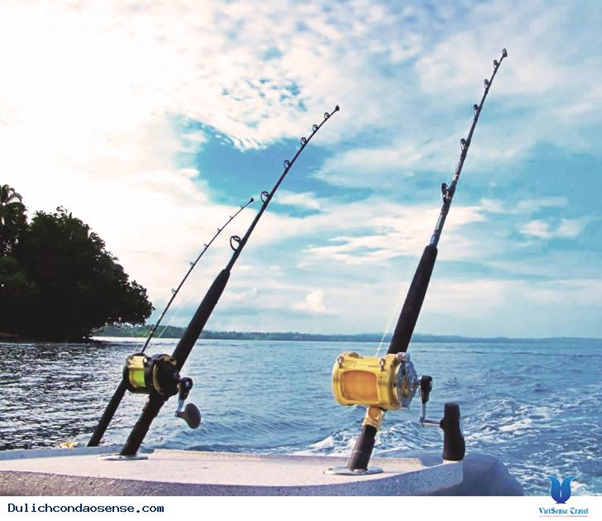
(149, 412)
(200, 318)
(107, 416)
(454, 447)
(413, 303)
(362, 451)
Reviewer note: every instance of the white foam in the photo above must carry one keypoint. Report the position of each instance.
(516, 426)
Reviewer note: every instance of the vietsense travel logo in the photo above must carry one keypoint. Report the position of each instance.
(561, 492)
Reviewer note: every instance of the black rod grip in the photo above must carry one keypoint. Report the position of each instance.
(149, 412)
(454, 447)
(413, 303)
(200, 318)
(362, 451)
(107, 416)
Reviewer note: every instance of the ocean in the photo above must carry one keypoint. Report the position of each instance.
(537, 405)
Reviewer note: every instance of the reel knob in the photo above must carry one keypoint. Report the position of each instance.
(191, 415)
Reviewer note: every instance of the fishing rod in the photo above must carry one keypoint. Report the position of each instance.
(159, 376)
(390, 382)
(174, 292)
(119, 393)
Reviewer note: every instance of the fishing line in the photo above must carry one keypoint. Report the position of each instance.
(392, 317)
(174, 292)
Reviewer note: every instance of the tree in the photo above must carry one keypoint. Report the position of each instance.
(18, 295)
(12, 218)
(75, 284)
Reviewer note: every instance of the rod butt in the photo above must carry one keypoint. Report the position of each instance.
(362, 451)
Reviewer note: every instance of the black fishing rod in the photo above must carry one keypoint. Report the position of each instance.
(159, 376)
(119, 393)
(174, 293)
(390, 382)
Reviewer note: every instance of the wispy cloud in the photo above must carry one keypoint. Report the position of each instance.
(523, 206)
(564, 229)
(403, 232)
(304, 200)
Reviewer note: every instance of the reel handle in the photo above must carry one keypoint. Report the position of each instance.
(190, 414)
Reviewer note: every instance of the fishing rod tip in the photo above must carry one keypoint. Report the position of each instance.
(504, 53)
(252, 200)
(337, 108)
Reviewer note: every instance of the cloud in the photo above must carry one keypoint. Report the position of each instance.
(524, 206)
(389, 231)
(564, 229)
(304, 200)
(534, 99)
(313, 303)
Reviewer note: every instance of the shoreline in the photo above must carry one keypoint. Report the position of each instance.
(13, 338)
(303, 337)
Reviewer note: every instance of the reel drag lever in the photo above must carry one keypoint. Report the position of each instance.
(426, 386)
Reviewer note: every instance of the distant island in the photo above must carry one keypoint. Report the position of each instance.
(176, 332)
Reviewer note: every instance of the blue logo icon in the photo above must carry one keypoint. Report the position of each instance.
(561, 492)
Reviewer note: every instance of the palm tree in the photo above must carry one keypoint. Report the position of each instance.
(12, 217)
(10, 203)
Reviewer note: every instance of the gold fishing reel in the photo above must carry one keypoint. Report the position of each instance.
(388, 382)
(159, 375)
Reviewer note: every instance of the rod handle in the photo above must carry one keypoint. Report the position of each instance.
(413, 302)
(454, 447)
(108, 414)
(200, 318)
(149, 412)
(362, 451)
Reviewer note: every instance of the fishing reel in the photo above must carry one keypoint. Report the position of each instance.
(389, 383)
(159, 375)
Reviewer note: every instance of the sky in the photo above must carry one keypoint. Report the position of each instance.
(153, 121)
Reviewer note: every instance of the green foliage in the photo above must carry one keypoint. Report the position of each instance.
(65, 282)
(12, 218)
(17, 296)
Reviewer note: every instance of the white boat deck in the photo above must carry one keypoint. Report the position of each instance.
(171, 472)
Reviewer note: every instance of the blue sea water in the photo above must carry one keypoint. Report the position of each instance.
(535, 404)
